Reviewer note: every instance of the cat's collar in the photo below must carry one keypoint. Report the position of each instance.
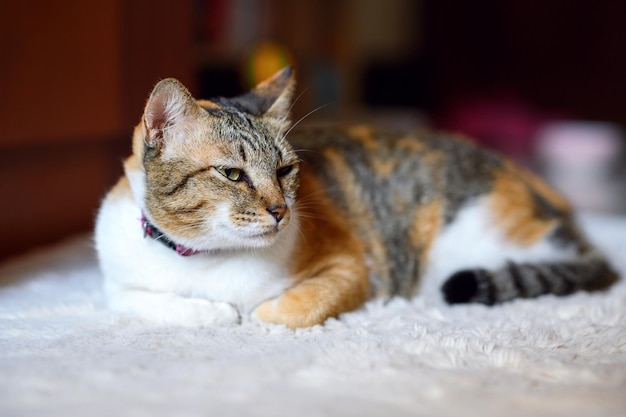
(150, 230)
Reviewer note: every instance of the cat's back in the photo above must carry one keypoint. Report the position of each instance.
(393, 171)
(399, 189)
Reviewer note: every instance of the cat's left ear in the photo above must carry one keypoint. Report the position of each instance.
(272, 97)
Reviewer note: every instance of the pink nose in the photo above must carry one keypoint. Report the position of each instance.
(277, 211)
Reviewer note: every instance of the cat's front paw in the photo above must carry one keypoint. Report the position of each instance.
(173, 309)
(288, 312)
(199, 312)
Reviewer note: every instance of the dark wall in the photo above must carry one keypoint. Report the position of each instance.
(557, 54)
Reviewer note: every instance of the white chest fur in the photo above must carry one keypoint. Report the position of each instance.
(142, 275)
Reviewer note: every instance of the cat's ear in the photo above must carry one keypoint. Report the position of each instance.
(168, 105)
(272, 97)
(279, 91)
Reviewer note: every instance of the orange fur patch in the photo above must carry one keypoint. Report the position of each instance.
(330, 276)
(139, 134)
(513, 205)
(132, 164)
(120, 190)
(364, 135)
(541, 188)
(411, 145)
(207, 104)
(384, 166)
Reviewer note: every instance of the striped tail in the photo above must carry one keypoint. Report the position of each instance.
(590, 272)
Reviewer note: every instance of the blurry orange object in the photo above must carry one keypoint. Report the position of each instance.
(265, 60)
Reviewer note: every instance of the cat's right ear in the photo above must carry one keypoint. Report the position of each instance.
(168, 105)
(270, 98)
(277, 91)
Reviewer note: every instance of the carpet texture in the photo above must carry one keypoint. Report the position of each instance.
(63, 354)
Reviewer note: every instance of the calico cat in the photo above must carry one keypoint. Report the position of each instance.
(226, 213)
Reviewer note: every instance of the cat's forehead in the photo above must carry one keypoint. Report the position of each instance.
(233, 138)
(233, 124)
(237, 128)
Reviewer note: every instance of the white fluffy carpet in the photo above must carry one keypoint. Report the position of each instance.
(63, 354)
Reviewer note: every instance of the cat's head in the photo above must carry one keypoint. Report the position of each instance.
(216, 174)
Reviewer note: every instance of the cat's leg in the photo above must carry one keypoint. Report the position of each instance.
(315, 299)
(335, 290)
(172, 309)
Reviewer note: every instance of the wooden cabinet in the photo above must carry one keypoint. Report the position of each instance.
(73, 80)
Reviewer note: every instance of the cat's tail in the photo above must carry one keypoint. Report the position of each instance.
(590, 272)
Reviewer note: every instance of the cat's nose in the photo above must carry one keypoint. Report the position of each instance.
(278, 211)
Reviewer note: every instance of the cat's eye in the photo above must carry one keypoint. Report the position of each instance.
(233, 174)
(281, 172)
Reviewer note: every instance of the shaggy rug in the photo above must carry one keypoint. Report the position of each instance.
(63, 354)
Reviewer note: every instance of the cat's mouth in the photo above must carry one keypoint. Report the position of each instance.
(267, 234)
(263, 237)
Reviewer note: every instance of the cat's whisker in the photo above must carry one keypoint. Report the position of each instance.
(306, 150)
(309, 200)
(186, 228)
(300, 232)
(304, 220)
(304, 117)
(287, 115)
(313, 219)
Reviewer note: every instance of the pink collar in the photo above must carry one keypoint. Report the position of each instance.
(153, 232)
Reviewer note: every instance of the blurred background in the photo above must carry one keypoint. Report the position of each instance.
(540, 81)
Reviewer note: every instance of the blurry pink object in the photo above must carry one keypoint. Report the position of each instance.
(502, 122)
(582, 159)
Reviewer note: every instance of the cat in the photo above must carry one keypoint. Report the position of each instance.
(225, 214)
